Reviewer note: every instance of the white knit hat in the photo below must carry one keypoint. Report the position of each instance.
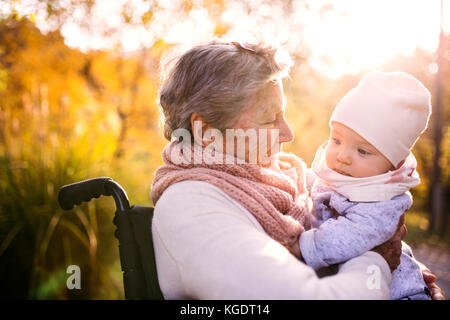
(389, 110)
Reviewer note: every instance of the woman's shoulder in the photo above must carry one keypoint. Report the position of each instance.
(193, 199)
(192, 193)
(190, 187)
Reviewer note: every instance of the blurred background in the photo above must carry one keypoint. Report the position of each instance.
(78, 90)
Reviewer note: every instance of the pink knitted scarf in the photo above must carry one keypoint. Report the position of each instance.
(276, 196)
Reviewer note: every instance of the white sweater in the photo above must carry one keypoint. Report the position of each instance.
(208, 246)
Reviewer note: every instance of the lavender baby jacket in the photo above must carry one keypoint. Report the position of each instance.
(343, 229)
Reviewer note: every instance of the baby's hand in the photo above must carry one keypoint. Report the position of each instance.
(335, 213)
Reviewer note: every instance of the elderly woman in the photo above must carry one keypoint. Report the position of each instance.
(228, 217)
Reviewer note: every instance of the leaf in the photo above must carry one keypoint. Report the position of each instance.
(72, 227)
(32, 17)
(48, 234)
(9, 238)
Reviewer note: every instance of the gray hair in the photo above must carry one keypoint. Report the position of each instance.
(217, 80)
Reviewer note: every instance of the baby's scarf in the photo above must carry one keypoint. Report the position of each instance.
(368, 189)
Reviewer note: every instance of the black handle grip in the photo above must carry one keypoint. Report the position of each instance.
(75, 193)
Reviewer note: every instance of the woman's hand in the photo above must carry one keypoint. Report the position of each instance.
(391, 250)
(429, 278)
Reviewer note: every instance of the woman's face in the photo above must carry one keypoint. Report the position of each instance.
(264, 126)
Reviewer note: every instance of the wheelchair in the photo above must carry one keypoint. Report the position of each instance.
(134, 232)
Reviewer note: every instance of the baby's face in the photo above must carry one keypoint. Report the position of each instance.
(350, 154)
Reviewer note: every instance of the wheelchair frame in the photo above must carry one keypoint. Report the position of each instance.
(134, 232)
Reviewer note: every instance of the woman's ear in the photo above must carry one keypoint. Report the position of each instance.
(198, 127)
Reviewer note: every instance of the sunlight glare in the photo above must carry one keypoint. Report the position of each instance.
(348, 37)
(372, 32)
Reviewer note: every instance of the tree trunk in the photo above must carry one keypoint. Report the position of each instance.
(436, 194)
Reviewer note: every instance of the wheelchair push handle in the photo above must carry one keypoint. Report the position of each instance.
(75, 193)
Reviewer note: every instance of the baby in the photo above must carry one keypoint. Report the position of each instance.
(362, 174)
